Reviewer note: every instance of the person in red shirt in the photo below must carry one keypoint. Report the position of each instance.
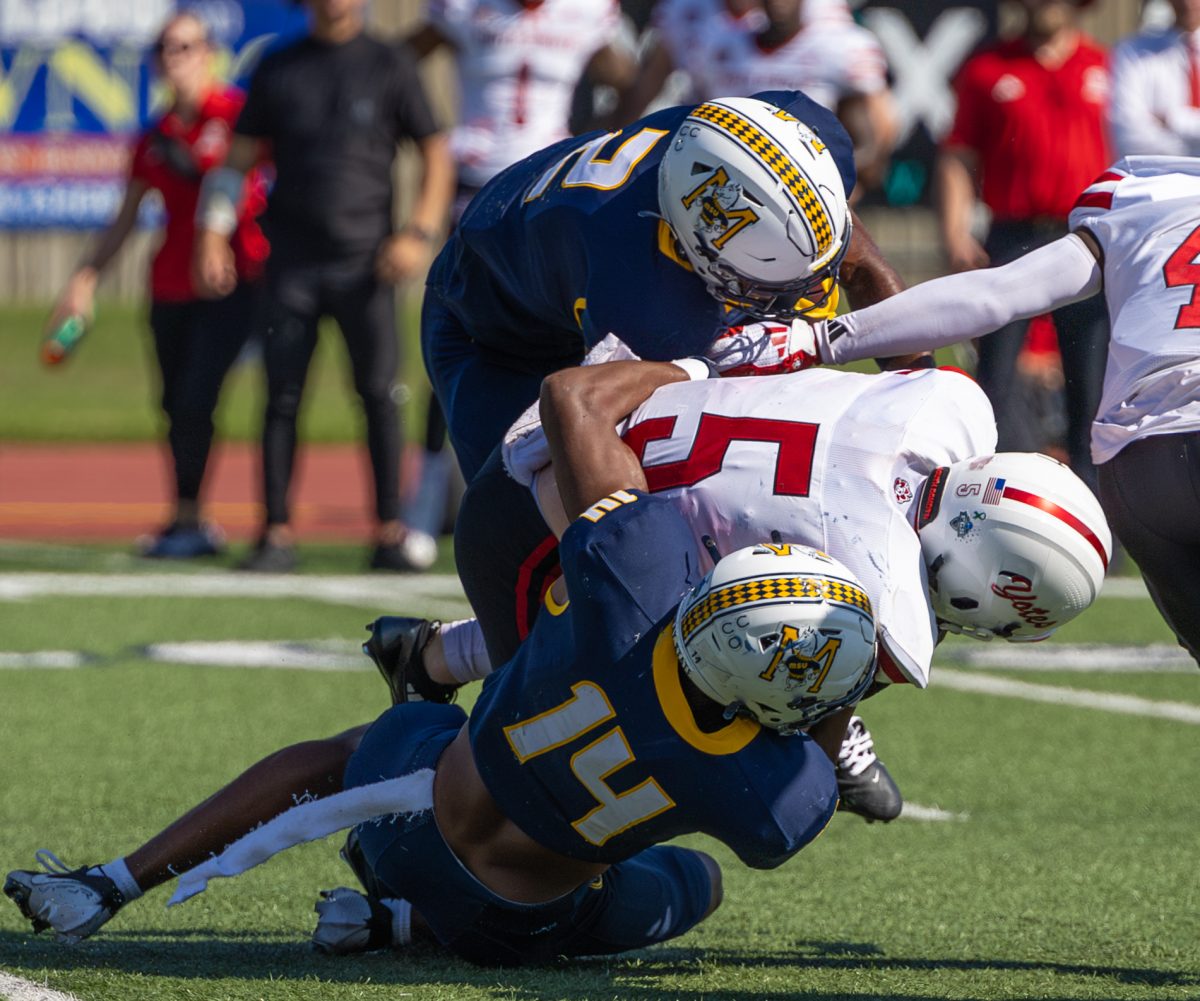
(196, 340)
(1029, 135)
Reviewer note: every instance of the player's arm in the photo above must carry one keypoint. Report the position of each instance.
(970, 304)
(656, 66)
(580, 409)
(79, 294)
(954, 199)
(612, 66)
(218, 208)
(406, 252)
(868, 120)
(868, 279)
(427, 38)
(627, 556)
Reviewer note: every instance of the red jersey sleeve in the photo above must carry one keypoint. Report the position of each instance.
(138, 168)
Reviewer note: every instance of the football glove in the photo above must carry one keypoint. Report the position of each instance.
(349, 922)
(766, 348)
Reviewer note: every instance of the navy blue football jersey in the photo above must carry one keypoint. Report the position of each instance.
(568, 245)
(586, 739)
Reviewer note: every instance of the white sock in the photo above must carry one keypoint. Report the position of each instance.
(401, 920)
(119, 873)
(466, 654)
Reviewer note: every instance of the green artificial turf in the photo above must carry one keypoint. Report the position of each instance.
(1070, 873)
(107, 390)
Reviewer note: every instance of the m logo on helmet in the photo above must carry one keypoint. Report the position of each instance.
(771, 156)
(719, 219)
(800, 656)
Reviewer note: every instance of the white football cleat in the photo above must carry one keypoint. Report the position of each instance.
(350, 922)
(74, 903)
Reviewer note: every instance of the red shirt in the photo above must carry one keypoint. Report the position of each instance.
(1039, 132)
(172, 156)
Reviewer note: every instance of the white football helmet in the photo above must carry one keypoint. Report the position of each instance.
(1015, 544)
(756, 201)
(781, 632)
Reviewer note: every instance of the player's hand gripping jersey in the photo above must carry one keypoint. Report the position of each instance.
(833, 460)
(586, 740)
(567, 246)
(518, 66)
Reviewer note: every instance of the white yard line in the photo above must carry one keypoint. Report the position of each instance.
(1124, 587)
(430, 591)
(1129, 705)
(1088, 658)
(437, 594)
(915, 811)
(51, 659)
(20, 989)
(311, 656)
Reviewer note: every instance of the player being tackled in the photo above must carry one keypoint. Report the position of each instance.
(664, 696)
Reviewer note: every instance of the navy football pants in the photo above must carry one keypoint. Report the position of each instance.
(481, 391)
(506, 555)
(657, 894)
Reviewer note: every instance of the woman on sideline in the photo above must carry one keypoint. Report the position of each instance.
(196, 340)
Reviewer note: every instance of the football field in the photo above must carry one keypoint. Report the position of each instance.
(1049, 850)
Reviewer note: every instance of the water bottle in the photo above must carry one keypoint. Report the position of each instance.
(63, 339)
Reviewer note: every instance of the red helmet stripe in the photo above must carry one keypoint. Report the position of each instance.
(1062, 514)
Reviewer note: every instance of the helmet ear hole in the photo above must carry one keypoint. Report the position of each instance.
(964, 604)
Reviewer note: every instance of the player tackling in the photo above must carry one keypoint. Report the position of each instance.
(1007, 545)
(662, 701)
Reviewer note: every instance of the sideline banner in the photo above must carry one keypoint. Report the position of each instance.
(77, 84)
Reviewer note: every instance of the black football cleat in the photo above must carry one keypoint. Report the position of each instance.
(864, 785)
(395, 645)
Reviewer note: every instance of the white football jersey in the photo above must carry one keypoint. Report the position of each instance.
(1145, 213)
(829, 60)
(517, 67)
(686, 27)
(829, 459)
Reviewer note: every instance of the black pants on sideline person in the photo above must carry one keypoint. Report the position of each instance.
(1082, 340)
(365, 312)
(1150, 491)
(196, 343)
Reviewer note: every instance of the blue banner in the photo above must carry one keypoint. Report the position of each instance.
(77, 85)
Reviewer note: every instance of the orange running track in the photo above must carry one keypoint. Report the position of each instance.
(90, 492)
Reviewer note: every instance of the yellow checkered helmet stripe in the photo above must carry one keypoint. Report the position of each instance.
(778, 162)
(749, 592)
